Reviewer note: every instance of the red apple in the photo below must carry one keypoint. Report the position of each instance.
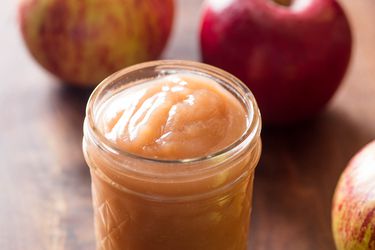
(292, 54)
(83, 41)
(353, 211)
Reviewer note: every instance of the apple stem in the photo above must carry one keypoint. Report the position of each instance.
(286, 3)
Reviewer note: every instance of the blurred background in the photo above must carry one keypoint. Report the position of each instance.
(45, 199)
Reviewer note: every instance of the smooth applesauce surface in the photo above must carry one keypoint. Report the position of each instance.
(179, 116)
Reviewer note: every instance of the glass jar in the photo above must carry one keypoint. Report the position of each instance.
(188, 204)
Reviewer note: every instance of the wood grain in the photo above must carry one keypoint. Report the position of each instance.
(45, 200)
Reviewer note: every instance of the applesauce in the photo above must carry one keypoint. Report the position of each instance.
(172, 147)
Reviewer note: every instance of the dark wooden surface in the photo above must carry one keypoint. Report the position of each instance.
(45, 200)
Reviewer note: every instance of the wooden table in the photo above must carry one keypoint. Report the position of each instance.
(45, 200)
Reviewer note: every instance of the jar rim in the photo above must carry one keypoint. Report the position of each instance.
(252, 130)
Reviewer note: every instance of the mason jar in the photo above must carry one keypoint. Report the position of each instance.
(145, 203)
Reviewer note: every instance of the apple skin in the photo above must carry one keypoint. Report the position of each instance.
(353, 210)
(84, 41)
(292, 58)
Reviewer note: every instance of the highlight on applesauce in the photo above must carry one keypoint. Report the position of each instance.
(172, 147)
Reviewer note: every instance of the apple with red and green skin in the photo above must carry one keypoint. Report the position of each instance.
(292, 54)
(353, 209)
(84, 41)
